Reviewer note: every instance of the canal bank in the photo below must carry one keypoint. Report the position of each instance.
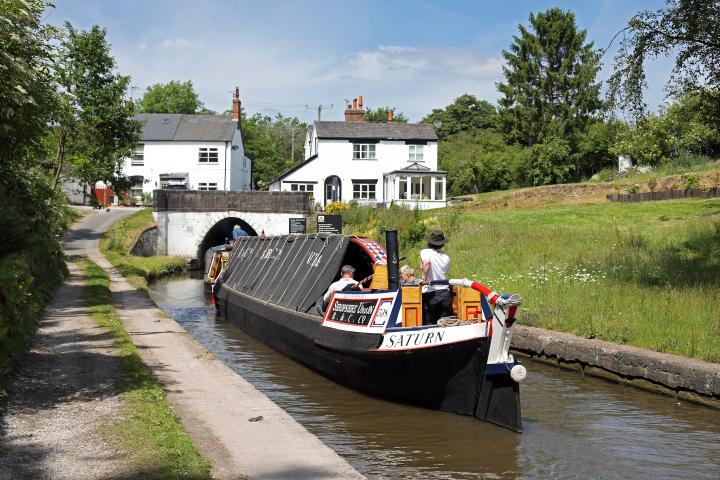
(237, 428)
(681, 377)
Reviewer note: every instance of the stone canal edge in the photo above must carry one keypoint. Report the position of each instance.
(681, 377)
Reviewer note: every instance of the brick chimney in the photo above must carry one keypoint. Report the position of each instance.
(355, 113)
(236, 106)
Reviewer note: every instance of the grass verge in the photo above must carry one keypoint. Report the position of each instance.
(148, 429)
(643, 274)
(120, 238)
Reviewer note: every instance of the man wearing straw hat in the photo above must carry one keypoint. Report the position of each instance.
(437, 302)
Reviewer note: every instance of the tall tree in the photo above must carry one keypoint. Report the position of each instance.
(274, 144)
(689, 29)
(172, 97)
(549, 89)
(380, 114)
(27, 104)
(466, 114)
(95, 130)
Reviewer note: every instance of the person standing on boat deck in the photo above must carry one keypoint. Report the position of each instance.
(346, 280)
(435, 266)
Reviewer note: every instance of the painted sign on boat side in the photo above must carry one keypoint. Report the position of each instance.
(433, 336)
(360, 312)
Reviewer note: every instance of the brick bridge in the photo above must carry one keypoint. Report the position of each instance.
(190, 222)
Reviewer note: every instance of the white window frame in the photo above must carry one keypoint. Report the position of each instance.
(364, 191)
(138, 156)
(364, 151)
(208, 155)
(416, 153)
(206, 186)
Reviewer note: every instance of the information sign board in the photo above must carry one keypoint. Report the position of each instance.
(298, 225)
(329, 223)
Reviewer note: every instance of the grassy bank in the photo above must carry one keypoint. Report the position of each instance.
(147, 429)
(117, 242)
(645, 274)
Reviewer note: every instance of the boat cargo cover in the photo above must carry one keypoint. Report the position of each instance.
(288, 270)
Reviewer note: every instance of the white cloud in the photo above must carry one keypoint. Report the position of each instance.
(388, 63)
(176, 43)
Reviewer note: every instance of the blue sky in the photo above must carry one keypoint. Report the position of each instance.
(411, 54)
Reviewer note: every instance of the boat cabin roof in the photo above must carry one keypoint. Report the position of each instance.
(295, 270)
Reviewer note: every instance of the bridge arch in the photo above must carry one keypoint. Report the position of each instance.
(218, 232)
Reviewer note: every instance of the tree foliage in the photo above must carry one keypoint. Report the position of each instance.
(269, 142)
(27, 93)
(172, 97)
(689, 29)
(380, 114)
(549, 89)
(95, 130)
(467, 113)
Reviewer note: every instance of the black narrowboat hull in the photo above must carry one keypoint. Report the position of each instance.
(450, 377)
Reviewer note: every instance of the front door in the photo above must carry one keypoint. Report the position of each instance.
(333, 189)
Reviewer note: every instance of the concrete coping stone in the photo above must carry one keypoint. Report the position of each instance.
(672, 371)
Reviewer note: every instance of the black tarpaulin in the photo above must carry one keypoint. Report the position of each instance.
(288, 270)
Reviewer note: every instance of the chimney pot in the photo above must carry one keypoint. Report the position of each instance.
(354, 103)
(390, 115)
(236, 106)
(360, 102)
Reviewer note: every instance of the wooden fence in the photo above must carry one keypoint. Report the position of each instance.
(664, 195)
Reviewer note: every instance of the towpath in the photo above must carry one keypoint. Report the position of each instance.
(242, 432)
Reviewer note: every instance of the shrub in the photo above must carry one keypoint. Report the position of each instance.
(634, 188)
(551, 162)
(690, 180)
(336, 208)
(652, 184)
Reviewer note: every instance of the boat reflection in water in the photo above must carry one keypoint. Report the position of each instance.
(374, 341)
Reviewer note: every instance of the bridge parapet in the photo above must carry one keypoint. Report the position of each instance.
(218, 200)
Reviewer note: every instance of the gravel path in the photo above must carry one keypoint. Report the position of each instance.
(65, 390)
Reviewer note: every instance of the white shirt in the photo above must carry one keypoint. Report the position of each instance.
(439, 267)
(337, 287)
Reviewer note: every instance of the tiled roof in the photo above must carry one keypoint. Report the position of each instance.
(179, 127)
(375, 130)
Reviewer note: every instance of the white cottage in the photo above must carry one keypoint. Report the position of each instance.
(190, 152)
(375, 163)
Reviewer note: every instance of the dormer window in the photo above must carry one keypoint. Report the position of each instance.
(363, 151)
(415, 153)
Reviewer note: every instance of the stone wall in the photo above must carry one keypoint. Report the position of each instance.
(683, 377)
(180, 233)
(214, 201)
(146, 245)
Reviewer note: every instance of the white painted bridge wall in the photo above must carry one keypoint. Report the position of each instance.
(180, 233)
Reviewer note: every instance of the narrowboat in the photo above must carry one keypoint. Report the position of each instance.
(374, 340)
(216, 259)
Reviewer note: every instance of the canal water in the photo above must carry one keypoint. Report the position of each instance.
(574, 427)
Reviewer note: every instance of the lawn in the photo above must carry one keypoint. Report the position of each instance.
(644, 274)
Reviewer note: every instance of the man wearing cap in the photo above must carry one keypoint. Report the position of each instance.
(435, 266)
